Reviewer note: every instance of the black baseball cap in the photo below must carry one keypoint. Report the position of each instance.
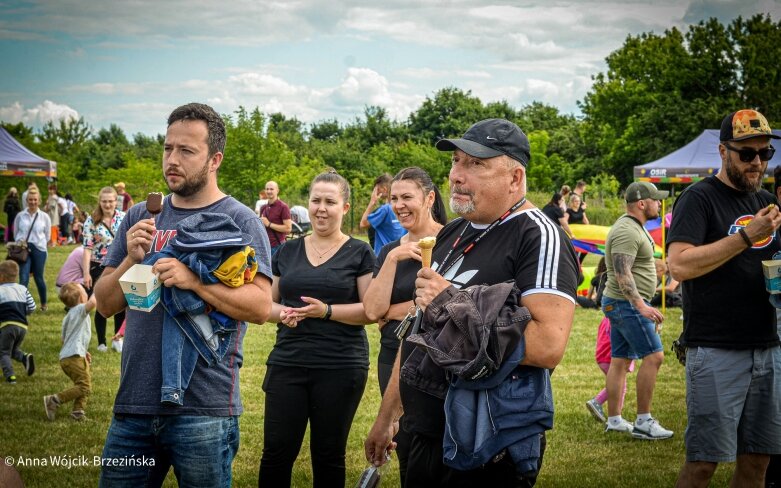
(490, 138)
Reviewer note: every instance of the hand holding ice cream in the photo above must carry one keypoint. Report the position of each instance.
(426, 247)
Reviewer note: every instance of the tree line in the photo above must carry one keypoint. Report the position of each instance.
(659, 92)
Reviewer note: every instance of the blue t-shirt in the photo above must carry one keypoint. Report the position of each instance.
(386, 225)
(213, 391)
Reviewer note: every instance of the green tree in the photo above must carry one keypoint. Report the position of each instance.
(289, 131)
(326, 130)
(376, 128)
(67, 135)
(148, 147)
(112, 147)
(253, 155)
(661, 91)
(448, 114)
(757, 42)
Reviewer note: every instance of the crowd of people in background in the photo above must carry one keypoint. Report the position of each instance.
(323, 288)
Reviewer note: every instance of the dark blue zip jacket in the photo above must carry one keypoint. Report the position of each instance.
(492, 403)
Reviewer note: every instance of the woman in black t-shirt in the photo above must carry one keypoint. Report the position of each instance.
(576, 212)
(554, 212)
(11, 208)
(577, 215)
(318, 367)
(417, 204)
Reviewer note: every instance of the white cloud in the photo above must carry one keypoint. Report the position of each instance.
(430, 74)
(263, 84)
(359, 87)
(726, 10)
(519, 51)
(38, 115)
(541, 89)
(363, 86)
(239, 22)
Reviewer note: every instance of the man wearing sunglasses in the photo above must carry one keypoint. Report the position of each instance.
(723, 228)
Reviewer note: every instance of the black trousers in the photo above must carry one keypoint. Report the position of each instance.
(95, 270)
(326, 399)
(402, 437)
(426, 470)
(773, 475)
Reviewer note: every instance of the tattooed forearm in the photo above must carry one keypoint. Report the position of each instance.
(622, 264)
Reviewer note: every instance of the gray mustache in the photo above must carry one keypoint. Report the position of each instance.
(461, 191)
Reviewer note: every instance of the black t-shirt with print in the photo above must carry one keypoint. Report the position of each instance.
(318, 343)
(403, 291)
(527, 248)
(727, 308)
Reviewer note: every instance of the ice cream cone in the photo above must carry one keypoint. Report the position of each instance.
(426, 246)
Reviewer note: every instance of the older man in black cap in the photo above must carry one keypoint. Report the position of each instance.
(723, 228)
(501, 237)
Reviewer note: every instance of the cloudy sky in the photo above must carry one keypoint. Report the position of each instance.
(131, 62)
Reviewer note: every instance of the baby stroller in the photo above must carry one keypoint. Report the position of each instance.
(301, 224)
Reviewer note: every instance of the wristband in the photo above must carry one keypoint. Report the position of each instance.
(742, 232)
(328, 311)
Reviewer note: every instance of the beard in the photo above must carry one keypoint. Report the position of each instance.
(462, 208)
(191, 184)
(739, 178)
(652, 214)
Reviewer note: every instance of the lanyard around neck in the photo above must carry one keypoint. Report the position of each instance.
(442, 269)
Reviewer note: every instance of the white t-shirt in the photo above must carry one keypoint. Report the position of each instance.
(63, 206)
(76, 332)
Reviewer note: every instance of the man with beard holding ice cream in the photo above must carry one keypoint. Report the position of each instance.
(200, 437)
(723, 228)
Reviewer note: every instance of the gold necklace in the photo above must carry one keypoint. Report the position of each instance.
(321, 254)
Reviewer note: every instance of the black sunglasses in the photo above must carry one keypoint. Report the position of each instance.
(748, 154)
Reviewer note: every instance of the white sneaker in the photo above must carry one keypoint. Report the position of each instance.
(624, 427)
(595, 409)
(102, 348)
(650, 430)
(117, 346)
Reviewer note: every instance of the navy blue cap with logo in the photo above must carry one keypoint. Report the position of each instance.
(490, 138)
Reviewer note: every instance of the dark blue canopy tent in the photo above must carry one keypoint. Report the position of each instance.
(17, 160)
(695, 161)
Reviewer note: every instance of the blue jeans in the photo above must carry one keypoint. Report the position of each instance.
(142, 448)
(36, 261)
(632, 336)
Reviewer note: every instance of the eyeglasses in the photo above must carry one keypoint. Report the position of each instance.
(748, 154)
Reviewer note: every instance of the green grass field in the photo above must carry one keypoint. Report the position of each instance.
(579, 452)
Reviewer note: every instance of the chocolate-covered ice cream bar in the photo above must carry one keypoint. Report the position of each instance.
(154, 203)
